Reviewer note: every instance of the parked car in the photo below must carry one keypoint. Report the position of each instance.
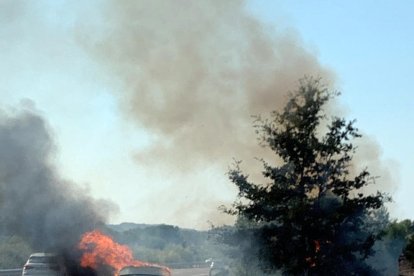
(45, 264)
(144, 270)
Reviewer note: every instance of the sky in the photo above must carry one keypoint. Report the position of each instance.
(149, 102)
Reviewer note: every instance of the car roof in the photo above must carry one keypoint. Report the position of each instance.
(43, 254)
(143, 270)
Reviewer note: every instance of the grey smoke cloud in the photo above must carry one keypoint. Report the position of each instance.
(36, 203)
(192, 73)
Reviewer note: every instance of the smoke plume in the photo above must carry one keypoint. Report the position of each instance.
(192, 73)
(36, 203)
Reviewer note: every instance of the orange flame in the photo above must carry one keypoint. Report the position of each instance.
(99, 249)
(317, 246)
(311, 260)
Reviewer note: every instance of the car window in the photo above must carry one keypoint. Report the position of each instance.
(43, 260)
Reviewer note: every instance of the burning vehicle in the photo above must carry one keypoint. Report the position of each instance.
(96, 254)
(106, 257)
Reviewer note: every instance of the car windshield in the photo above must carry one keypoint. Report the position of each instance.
(43, 260)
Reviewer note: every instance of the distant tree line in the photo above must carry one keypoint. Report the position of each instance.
(167, 244)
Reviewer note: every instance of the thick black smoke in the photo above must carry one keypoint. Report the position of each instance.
(35, 202)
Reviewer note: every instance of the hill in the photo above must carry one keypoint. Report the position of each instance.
(166, 244)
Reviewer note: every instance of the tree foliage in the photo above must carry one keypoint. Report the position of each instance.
(409, 250)
(404, 232)
(310, 217)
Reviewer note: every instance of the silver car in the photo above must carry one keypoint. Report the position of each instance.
(46, 264)
(144, 270)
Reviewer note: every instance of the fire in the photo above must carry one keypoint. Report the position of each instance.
(100, 250)
(311, 260)
(317, 246)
